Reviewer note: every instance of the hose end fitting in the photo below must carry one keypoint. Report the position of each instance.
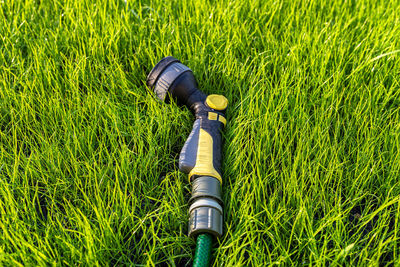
(205, 212)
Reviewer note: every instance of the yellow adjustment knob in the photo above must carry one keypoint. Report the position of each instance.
(217, 102)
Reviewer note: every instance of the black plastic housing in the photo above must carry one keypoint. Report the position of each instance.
(170, 78)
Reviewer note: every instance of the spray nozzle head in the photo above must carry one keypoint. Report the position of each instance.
(170, 78)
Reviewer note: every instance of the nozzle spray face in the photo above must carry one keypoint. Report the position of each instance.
(170, 78)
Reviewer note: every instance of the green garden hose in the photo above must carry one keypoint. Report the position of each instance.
(202, 254)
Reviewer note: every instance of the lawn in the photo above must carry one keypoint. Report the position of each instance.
(89, 156)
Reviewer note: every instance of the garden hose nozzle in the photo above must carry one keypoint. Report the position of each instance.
(200, 157)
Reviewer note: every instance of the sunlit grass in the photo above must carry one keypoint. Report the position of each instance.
(88, 156)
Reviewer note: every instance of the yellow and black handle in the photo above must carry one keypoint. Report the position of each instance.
(200, 157)
(201, 154)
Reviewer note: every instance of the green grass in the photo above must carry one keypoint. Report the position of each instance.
(88, 156)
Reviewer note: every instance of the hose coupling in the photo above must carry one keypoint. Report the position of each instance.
(205, 212)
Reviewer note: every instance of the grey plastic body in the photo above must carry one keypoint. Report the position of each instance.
(187, 157)
(205, 212)
(206, 186)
